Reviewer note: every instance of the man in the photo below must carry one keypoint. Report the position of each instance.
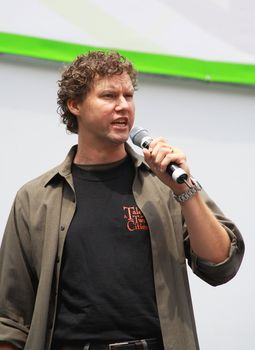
(87, 258)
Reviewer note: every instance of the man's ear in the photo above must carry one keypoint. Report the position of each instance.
(73, 107)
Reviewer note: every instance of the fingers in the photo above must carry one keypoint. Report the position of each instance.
(161, 154)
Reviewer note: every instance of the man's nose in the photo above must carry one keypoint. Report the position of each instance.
(122, 103)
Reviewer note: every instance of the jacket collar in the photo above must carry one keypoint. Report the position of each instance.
(64, 169)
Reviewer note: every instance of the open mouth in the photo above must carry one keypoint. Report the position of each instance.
(120, 123)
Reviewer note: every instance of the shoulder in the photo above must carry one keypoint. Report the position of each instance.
(50, 179)
(37, 187)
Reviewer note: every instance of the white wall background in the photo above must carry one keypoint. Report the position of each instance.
(213, 124)
(217, 30)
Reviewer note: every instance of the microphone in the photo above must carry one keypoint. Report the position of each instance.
(140, 137)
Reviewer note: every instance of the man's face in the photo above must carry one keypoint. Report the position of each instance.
(106, 115)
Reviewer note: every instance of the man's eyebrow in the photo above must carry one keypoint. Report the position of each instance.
(114, 87)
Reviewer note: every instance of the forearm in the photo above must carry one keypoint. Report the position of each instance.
(208, 238)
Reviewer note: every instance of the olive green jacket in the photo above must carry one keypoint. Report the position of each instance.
(32, 248)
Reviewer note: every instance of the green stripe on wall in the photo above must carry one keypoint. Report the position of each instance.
(144, 62)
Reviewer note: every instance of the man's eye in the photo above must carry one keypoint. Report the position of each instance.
(129, 96)
(109, 95)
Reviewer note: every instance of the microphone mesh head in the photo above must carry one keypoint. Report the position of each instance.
(137, 134)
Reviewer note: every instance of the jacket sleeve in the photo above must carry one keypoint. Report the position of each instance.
(17, 279)
(216, 274)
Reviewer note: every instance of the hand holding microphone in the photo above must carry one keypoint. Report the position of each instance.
(159, 156)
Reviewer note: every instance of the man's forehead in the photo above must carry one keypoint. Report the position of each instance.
(113, 81)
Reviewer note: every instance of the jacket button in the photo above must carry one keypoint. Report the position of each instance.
(62, 228)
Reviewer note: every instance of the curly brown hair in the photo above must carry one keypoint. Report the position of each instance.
(78, 78)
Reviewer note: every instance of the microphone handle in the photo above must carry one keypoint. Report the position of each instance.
(177, 173)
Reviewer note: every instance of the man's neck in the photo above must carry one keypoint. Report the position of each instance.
(91, 155)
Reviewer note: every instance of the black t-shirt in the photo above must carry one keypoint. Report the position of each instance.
(106, 285)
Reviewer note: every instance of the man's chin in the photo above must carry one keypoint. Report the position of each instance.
(120, 139)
